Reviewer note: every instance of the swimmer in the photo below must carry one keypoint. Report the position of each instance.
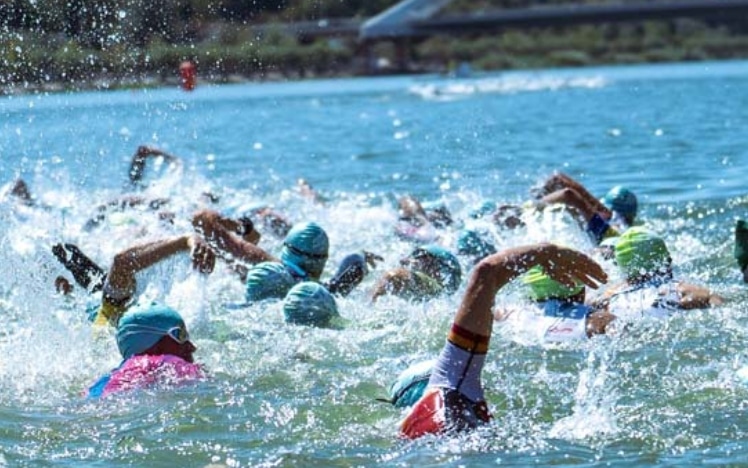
(649, 288)
(409, 386)
(474, 244)
(120, 286)
(454, 398)
(138, 163)
(156, 350)
(560, 313)
(91, 277)
(418, 224)
(602, 219)
(311, 304)
(302, 258)
(428, 272)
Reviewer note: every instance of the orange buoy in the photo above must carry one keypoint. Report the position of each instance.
(188, 75)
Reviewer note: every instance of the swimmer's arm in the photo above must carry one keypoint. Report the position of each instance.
(396, 282)
(560, 181)
(137, 165)
(496, 271)
(697, 297)
(209, 224)
(576, 201)
(410, 209)
(351, 272)
(121, 277)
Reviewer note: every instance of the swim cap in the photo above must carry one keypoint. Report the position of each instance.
(543, 287)
(623, 201)
(268, 280)
(309, 303)
(741, 243)
(639, 251)
(410, 384)
(143, 326)
(306, 247)
(486, 208)
(471, 243)
(449, 266)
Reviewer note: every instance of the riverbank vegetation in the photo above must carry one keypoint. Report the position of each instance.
(77, 44)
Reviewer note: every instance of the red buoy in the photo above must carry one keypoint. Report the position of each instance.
(188, 75)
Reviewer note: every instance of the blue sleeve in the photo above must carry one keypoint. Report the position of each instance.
(597, 227)
(97, 389)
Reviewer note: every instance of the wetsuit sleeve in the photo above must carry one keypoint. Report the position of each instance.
(600, 229)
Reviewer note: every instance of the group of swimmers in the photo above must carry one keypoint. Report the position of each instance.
(445, 394)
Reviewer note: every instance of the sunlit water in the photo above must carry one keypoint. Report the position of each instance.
(664, 393)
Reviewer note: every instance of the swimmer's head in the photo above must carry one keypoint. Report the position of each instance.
(641, 254)
(543, 287)
(153, 329)
(267, 280)
(622, 201)
(437, 262)
(306, 246)
(309, 303)
(472, 244)
(409, 386)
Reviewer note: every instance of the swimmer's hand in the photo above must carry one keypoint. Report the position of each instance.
(567, 266)
(203, 257)
(372, 259)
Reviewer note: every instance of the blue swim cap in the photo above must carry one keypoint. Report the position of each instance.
(143, 326)
(268, 280)
(411, 383)
(306, 247)
(309, 303)
(623, 201)
(449, 266)
(471, 243)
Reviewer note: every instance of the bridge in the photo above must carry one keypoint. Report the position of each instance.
(415, 19)
(418, 18)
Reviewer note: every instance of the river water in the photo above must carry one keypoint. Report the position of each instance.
(663, 393)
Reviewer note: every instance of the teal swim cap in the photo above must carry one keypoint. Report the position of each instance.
(543, 287)
(306, 247)
(471, 243)
(639, 251)
(449, 267)
(486, 208)
(268, 280)
(141, 327)
(623, 201)
(409, 386)
(309, 303)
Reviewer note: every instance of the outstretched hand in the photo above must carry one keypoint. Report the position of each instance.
(203, 256)
(568, 267)
(372, 259)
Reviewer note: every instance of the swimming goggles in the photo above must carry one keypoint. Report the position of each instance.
(178, 334)
(297, 251)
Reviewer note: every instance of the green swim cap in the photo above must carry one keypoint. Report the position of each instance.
(141, 327)
(309, 303)
(543, 287)
(639, 251)
(741, 243)
(623, 201)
